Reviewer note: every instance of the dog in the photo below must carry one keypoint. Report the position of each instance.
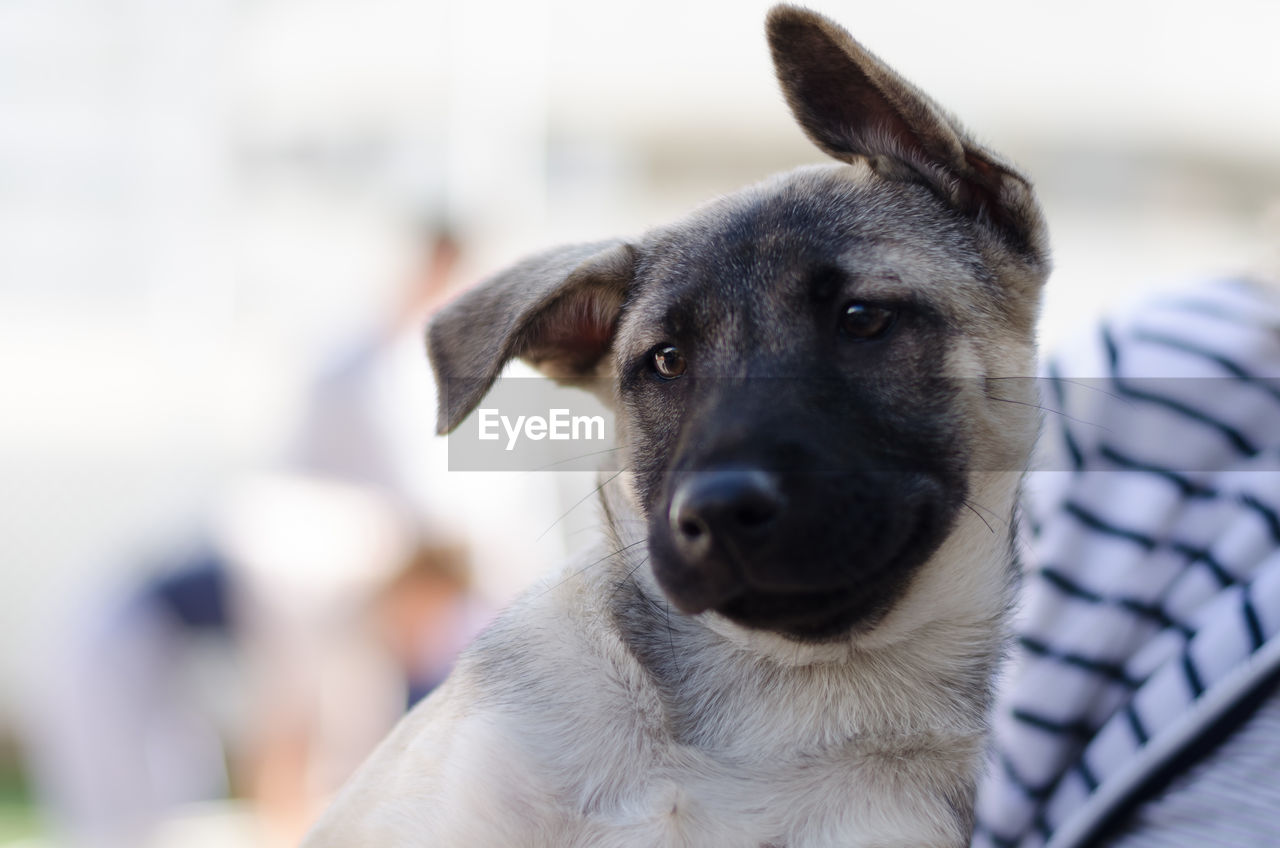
(822, 396)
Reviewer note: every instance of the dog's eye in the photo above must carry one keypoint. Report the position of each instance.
(866, 321)
(668, 362)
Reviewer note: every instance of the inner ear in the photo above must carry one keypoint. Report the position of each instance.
(568, 339)
(556, 310)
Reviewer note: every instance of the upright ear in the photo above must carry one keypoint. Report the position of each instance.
(852, 105)
(557, 310)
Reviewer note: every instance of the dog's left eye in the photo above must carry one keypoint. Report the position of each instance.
(669, 362)
(866, 321)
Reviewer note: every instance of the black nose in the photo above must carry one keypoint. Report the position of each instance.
(718, 508)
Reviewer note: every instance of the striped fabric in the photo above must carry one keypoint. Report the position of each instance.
(1231, 799)
(1152, 600)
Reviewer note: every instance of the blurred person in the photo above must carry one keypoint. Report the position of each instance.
(343, 430)
(308, 555)
(251, 670)
(112, 733)
(271, 661)
(369, 418)
(428, 612)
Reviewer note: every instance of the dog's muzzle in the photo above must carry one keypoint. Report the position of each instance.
(807, 554)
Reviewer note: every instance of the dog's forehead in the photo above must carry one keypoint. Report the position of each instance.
(756, 252)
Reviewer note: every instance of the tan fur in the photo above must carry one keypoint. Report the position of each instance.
(855, 744)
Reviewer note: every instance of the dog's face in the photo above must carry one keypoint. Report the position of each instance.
(782, 368)
(802, 370)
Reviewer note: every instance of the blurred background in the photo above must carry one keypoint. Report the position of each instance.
(231, 553)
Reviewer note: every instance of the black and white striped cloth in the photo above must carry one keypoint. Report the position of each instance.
(1150, 626)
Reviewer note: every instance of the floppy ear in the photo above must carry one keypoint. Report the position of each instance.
(853, 106)
(557, 310)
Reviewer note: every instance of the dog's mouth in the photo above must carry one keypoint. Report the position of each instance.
(821, 612)
(806, 616)
(803, 579)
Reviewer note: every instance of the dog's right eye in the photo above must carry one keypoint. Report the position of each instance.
(866, 321)
(668, 362)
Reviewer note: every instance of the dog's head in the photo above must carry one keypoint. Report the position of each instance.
(802, 370)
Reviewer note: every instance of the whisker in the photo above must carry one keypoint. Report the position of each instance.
(988, 510)
(639, 565)
(618, 587)
(671, 639)
(969, 507)
(576, 458)
(580, 502)
(1080, 384)
(995, 516)
(596, 528)
(1044, 408)
(592, 565)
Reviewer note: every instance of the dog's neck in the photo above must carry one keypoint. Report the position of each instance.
(926, 667)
